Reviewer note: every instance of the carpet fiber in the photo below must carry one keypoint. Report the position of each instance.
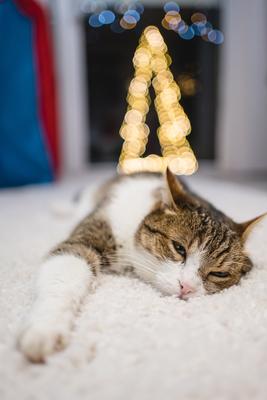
(129, 342)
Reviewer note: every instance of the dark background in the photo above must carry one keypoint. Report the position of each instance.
(110, 70)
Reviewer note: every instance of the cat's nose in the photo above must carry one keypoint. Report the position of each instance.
(186, 289)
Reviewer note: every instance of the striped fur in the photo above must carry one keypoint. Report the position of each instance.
(140, 214)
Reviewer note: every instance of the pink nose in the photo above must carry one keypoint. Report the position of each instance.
(186, 289)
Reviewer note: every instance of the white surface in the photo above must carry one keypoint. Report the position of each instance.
(129, 342)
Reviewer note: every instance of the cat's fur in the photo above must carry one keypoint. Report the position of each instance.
(154, 225)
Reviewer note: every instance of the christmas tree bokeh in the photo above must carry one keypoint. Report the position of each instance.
(152, 67)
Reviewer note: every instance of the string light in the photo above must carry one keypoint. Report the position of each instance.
(128, 13)
(200, 25)
(151, 61)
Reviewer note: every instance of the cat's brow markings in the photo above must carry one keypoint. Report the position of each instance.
(155, 230)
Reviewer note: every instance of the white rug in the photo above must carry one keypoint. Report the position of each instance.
(129, 342)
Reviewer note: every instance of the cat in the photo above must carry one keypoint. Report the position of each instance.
(151, 223)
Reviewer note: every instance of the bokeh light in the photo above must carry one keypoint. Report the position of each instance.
(129, 19)
(215, 36)
(187, 33)
(132, 13)
(121, 7)
(151, 61)
(170, 15)
(200, 26)
(197, 29)
(171, 20)
(94, 21)
(188, 84)
(205, 29)
(106, 17)
(182, 27)
(142, 57)
(199, 22)
(165, 24)
(199, 19)
(171, 6)
(128, 22)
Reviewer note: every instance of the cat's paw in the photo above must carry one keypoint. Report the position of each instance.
(37, 342)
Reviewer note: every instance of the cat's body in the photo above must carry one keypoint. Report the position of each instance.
(169, 237)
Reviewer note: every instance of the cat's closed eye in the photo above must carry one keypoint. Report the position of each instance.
(219, 274)
(179, 249)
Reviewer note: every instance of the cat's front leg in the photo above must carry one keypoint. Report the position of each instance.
(62, 283)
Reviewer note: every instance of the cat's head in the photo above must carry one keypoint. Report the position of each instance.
(187, 248)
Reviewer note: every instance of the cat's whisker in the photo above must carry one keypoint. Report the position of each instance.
(141, 265)
(147, 269)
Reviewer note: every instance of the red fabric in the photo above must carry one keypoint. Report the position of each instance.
(46, 76)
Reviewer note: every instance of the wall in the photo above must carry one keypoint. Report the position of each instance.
(70, 58)
(242, 132)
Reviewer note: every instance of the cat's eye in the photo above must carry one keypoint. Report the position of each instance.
(220, 274)
(179, 249)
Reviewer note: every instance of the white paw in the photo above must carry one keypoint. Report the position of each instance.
(36, 342)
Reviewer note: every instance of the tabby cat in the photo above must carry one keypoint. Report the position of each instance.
(170, 237)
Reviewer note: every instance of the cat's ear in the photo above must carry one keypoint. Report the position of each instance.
(247, 228)
(178, 194)
(254, 235)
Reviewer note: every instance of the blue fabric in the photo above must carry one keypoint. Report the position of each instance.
(24, 158)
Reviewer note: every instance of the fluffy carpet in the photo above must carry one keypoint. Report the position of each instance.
(129, 342)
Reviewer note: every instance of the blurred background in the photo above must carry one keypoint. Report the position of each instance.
(65, 69)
